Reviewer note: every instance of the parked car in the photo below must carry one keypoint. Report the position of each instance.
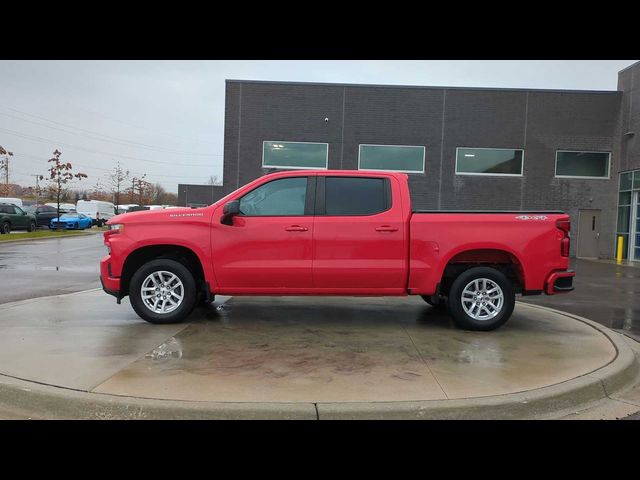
(43, 213)
(13, 217)
(124, 208)
(97, 210)
(335, 232)
(76, 221)
(11, 200)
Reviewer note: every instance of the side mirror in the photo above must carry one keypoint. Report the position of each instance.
(229, 210)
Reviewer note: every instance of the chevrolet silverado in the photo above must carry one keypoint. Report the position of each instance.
(335, 232)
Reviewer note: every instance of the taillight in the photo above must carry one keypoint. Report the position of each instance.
(565, 244)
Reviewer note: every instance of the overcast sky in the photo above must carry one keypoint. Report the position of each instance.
(166, 118)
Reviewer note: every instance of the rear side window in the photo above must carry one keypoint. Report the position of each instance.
(355, 196)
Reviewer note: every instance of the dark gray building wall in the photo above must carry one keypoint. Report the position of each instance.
(199, 194)
(629, 84)
(441, 119)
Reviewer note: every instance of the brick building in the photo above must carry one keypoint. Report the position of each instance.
(462, 148)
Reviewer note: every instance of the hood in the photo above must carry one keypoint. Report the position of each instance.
(159, 215)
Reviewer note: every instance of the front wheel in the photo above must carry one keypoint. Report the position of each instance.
(481, 298)
(163, 291)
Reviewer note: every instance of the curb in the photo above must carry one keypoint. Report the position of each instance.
(553, 401)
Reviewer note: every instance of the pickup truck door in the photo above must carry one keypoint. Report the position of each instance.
(359, 235)
(268, 246)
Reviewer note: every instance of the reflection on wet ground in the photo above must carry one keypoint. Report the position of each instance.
(605, 292)
(292, 349)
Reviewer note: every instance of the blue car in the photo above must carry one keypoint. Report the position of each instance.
(76, 221)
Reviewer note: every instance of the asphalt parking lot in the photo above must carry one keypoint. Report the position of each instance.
(605, 292)
(39, 268)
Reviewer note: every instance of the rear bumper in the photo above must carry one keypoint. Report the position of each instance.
(560, 282)
(110, 285)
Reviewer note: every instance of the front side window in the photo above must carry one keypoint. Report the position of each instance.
(294, 155)
(396, 158)
(355, 196)
(582, 164)
(285, 196)
(489, 161)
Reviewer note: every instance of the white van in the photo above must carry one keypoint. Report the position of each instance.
(98, 210)
(15, 201)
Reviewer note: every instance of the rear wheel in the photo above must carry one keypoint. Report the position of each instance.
(163, 291)
(481, 298)
(5, 228)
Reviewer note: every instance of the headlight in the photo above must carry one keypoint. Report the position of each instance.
(117, 226)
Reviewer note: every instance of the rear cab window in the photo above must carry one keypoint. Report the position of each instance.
(353, 196)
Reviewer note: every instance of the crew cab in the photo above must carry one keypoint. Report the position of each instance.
(335, 232)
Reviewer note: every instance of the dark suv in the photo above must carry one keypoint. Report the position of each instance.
(43, 213)
(13, 217)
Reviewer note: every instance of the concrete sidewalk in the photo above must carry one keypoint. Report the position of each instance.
(83, 356)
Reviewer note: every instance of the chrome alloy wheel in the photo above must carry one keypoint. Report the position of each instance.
(482, 299)
(162, 292)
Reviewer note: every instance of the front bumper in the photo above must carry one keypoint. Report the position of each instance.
(560, 282)
(110, 285)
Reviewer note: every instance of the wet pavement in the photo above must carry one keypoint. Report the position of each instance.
(605, 292)
(38, 268)
(295, 349)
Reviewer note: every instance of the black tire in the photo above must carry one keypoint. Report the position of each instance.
(190, 294)
(460, 316)
(31, 227)
(435, 302)
(6, 227)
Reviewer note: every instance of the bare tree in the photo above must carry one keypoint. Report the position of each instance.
(117, 180)
(214, 180)
(60, 174)
(4, 165)
(140, 190)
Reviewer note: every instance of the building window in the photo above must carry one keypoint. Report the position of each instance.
(295, 155)
(582, 164)
(391, 158)
(489, 161)
(629, 215)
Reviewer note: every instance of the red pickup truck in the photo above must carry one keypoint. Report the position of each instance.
(335, 232)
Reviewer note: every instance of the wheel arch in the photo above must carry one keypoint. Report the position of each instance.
(179, 253)
(501, 259)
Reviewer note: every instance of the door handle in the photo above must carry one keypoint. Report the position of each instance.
(386, 228)
(296, 228)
